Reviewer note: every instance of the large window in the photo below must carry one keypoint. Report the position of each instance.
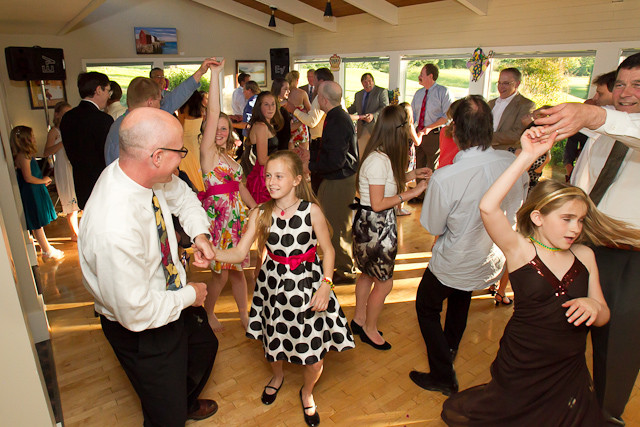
(355, 68)
(177, 72)
(453, 73)
(122, 74)
(549, 80)
(303, 67)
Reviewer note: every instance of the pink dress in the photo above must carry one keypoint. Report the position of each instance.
(226, 211)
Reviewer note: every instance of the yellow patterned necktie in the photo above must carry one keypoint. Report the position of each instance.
(170, 270)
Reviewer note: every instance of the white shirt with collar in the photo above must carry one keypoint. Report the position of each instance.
(314, 118)
(238, 101)
(465, 257)
(498, 109)
(622, 198)
(119, 249)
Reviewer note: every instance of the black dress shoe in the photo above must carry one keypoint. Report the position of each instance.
(311, 420)
(268, 399)
(206, 408)
(427, 382)
(615, 421)
(357, 329)
(365, 339)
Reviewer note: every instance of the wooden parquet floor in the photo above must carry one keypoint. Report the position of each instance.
(359, 387)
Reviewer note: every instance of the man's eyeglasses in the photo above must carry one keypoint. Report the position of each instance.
(183, 151)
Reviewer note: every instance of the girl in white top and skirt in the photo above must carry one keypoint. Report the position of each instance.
(382, 179)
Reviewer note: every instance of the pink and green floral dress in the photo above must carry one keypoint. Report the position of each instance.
(225, 209)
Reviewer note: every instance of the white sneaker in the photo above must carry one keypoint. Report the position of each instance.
(54, 254)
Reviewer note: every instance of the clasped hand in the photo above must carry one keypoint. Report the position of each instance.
(582, 310)
(203, 251)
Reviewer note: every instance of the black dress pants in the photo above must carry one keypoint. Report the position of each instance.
(167, 366)
(428, 152)
(431, 294)
(616, 345)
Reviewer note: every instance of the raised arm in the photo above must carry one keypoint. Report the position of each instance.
(208, 151)
(493, 217)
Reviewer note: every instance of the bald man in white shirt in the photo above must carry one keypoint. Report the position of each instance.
(152, 317)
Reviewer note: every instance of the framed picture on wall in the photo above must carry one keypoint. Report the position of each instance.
(257, 70)
(156, 41)
(54, 91)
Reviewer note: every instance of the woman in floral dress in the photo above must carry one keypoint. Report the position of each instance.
(225, 199)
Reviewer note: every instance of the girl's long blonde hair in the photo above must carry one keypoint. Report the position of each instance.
(21, 141)
(597, 229)
(391, 137)
(303, 191)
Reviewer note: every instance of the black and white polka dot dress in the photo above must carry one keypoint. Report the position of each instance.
(280, 314)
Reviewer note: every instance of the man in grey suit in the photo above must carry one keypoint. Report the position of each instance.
(508, 110)
(365, 109)
(311, 87)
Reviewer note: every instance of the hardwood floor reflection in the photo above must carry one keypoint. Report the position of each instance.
(362, 387)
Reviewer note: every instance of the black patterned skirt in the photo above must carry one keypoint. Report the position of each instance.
(375, 242)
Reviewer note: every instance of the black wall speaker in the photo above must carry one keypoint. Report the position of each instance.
(35, 63)
(279, 62)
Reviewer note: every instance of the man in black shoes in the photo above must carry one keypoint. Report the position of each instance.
(464, 258)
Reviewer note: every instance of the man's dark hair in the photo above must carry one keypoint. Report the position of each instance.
(433, 70)
(89, 82)
(606, 79)
(631, 62)
(155, 69)
(324, 74)
(365, 75)
(242, 77)
(473, 123)
(514, 72)
(116, 91)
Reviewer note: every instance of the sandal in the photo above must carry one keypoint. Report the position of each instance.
(499, 298)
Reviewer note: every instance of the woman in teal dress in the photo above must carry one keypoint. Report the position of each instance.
(38, 209)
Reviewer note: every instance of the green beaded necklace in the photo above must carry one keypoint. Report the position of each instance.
(543, 245)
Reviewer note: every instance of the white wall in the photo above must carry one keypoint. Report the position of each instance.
(108, 33)
(447, 24)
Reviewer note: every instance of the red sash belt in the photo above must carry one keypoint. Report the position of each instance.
(295, 260)
(214, 190)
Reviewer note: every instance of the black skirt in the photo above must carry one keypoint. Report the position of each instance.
(375, 241)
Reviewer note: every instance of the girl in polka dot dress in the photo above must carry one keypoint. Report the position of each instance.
(294, 311)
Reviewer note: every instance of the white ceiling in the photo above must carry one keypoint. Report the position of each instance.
(58, 17)
(43, 16)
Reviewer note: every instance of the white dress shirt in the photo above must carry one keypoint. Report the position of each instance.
(439, 100)
(498, 109)
(238, 101)
(622, 199)
(314, 118)
(465, 257)
(119, 249)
